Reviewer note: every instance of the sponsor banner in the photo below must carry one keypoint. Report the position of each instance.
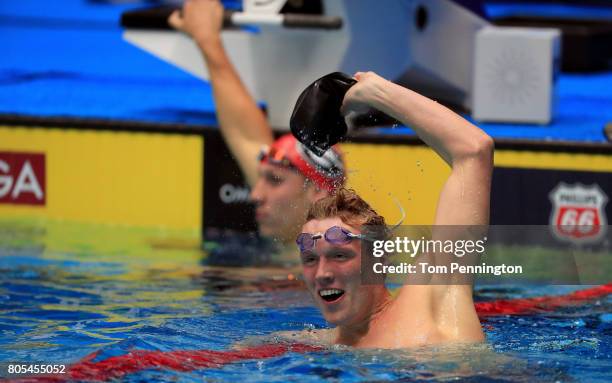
(555, 197)
(142, 179)
(188, 180)
(226, 194)
(414, 175)
(22, 178)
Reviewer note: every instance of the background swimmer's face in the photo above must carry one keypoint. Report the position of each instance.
(333, 276)
(282, 198)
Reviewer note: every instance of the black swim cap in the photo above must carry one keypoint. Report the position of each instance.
(316, 120)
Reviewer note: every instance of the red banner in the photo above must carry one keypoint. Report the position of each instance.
(22, 178)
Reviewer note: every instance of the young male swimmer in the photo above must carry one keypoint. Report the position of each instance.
(330, 247)
(285, 178)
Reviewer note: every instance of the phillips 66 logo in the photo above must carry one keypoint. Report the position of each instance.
(578, 213)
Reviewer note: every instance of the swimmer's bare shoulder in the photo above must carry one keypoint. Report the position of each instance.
(322, 337)
(315, 337)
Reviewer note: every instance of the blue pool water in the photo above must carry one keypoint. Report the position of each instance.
(61, 300)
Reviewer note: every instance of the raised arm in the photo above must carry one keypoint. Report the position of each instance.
(243, 125)
(452, 137)
(463, 200)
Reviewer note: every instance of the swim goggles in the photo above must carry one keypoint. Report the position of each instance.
(335, 235)
(276, 156)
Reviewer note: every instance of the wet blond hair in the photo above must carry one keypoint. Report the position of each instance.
(347, 205)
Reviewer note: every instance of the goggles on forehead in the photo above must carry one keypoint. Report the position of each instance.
(335, 235)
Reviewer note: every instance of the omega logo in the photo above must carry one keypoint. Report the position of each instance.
(229, 193)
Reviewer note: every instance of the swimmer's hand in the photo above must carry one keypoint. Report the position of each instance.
(201, 19)
(365, 94)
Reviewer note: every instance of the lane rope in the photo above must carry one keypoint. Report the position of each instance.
(526, 306)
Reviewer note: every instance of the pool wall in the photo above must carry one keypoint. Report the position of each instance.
(177, 177)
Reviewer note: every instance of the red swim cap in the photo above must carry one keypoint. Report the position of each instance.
(327, 171)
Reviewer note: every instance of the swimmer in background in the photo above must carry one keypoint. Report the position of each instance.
(285, 178)
(330, 247)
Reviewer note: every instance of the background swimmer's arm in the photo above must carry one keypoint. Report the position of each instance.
(464, 199)
(243, 125)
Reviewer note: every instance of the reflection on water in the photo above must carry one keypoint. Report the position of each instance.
(66, 291)
(478, 363)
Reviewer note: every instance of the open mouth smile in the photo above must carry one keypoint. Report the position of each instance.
(331, 295)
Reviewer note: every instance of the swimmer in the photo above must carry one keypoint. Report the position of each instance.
(330, 245)
(285, 178)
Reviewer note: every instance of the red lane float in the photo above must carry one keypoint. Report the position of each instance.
(188, 360)
(525, 306)
(138, 360)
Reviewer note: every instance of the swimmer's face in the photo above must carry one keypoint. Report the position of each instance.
(333, 276)
(282, 199)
